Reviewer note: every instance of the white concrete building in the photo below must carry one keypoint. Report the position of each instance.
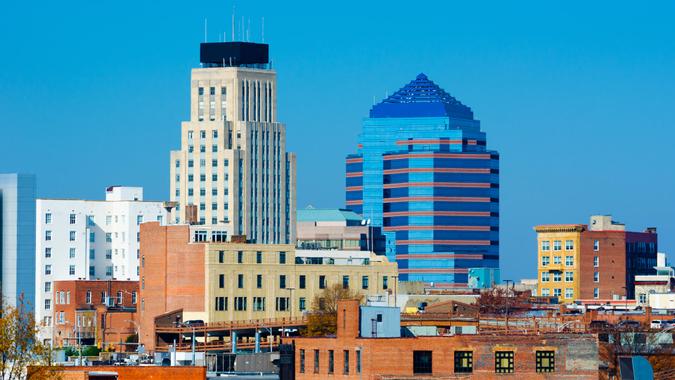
(89, 240)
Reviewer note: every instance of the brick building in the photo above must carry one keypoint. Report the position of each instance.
(100, 312)
(596, 261)
(351, 354)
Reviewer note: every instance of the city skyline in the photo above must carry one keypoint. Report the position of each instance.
(524, 96)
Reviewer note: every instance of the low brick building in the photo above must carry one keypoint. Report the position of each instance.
(101, 313)
(350, 355)
(133, 373)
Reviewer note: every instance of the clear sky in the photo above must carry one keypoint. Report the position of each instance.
(577, 96)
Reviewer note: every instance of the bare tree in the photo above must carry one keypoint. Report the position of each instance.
(322, 318)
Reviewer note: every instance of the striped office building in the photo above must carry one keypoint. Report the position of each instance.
(424, 174)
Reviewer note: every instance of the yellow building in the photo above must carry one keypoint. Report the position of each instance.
(558, 248)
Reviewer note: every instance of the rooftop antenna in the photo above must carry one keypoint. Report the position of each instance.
(263, 29)
(206, 23)
(233, 9)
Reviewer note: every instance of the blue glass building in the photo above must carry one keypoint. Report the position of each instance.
(423, 173)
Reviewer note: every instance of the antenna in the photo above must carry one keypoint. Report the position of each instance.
(263, 29)
(206, 24)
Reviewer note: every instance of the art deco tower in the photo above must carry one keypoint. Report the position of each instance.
(233, 172)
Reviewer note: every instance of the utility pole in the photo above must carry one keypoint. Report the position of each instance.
(508, 303)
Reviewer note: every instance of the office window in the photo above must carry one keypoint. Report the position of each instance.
(48, 218)
(48, 304)
(258, 281)
(545, 245)
(221, 256)
(302, 361)
(316, 361)
(302, 304)
(322, 282)
(221, 281)
(282, 281)
(302, 281)
(422, 362)
(364, 282)
(109, 271)
(240, 303)
(345, 370)
(87, 297)
(545, 292)
(48, 269)
(191, 178)
(92, 236)
(240, 257)
(569, 276)
(282, 257)
(331, 361)
(214, 163)
(72, 218)
(545, 361)
(258, 257)
(569, 293)
(596, 245)
(504, 362)
(240, 281)
(385, 282)
(71, 253)
(569, 261)
(545, 276)
(108, 254)
(557, 259)
(48, 235)
(139, 220)
(345, 282)
(569, 245)
(108, 237)
(557, 292)
(596, 293)
(545, 260)
(463, 361)
(71, 270)
(221, 303)
(557, 276)
(258, 303)
(48, 287)
(557, 245)
(596, 276)
(282, 303)
(596, 261)
(48, 252)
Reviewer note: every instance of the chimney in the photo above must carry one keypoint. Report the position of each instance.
(348, 318)
(191, 214)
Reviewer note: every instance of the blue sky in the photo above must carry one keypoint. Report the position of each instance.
(578, 97)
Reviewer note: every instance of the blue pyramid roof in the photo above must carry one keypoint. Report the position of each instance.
(421, 98)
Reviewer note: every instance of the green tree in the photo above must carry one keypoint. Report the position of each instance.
(22, 355)
(322, 318)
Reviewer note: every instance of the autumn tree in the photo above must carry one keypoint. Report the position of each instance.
(322, 318)
(494, 301)
(22, 355)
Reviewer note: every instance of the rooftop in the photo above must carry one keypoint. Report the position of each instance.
(421, 98)
(311, 214)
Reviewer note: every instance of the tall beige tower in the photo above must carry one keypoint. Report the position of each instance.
(233, 166)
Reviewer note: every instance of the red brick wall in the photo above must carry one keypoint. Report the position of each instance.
(612, 266)
(147, 372)
(172, 275)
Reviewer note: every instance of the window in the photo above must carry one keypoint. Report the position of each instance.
(48, 269)
(345, 370)
(569, 245)
(87, 298)
(596, 276)
(545, 260)
(258, 281)
(364, 282)
(569, 293)
(316, 361)
(240, 281)
(358, 361)
(569, 276)
(596, 261)
(385, 282)
(545, 292)
(72, 235)
(545, 276)
(504, 362)
(108, 271)
(48, 304)
(545, 361)
(557, 292)
(557, 276)
(221, 256)
(108, 237)
(48, 287)
(302, 304)
(557, 259)
(331, 361)
(48, 235)
(258, 257)
(345, 282)
(463, 361)
(282, 281)
(240, 303)
(92, 236)
(71, 253)
(48, 218)
(557, 246)
(108, 254)
(134, 298)
(322, 282)
(48, 252)
(596, 293)
(302, 281)
(596, 245)
(221, 281)
(282, 303)
(221, 303)
(258, 303)
(422, 362)
(282, 257)
(545, 245)
(72, 218)
(569, 261)
(302, 361)
(643, 298)
(240, 257)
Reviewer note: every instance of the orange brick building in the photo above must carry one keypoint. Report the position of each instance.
(100, 312)
(480, 356)
(133, 373)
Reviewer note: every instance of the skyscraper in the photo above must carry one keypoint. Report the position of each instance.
(232, 171)
(424, 174)
(17, 237)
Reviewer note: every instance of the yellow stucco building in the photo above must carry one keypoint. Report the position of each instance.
(558, 248)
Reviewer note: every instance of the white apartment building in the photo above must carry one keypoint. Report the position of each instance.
(232, 168)
(88, 240)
